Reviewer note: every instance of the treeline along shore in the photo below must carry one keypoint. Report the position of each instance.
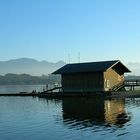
(23, 79)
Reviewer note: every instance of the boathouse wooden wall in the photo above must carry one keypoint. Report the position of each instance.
(83, 82)
(90, 82)
(112, 78)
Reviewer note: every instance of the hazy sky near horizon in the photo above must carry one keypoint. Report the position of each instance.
(52, 29)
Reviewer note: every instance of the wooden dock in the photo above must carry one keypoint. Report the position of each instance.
(124, 94)
(117, 91)
(132, 84)
(55, 89)
(125, 84)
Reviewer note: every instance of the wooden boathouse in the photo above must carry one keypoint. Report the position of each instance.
(92, 76)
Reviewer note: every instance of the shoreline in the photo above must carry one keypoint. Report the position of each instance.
(117, 94)
(18, 94)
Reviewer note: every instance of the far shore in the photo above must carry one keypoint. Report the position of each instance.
(117, 94)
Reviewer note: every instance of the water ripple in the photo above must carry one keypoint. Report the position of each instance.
(33, 118)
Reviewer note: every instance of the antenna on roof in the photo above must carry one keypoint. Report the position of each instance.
(79, 57)
(69, 58)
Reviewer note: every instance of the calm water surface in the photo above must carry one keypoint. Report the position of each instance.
(28, 118)
(20, 88)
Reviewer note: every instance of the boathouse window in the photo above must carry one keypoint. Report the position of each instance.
(107, 83)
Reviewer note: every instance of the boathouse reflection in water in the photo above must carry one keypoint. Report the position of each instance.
(90, 112)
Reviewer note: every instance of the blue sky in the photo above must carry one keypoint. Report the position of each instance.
(52, 29)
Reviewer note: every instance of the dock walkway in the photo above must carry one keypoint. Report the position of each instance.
(132, 84)
(126, 84)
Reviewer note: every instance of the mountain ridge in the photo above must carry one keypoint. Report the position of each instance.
(37, 68)
(29, 66)
(134, 67)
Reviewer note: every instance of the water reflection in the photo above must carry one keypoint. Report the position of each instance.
(115, 112)
(92, 112)
(72, 119)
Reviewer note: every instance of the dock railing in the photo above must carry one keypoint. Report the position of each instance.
(118, 86)
(55, 89)
(132, 82)
(126, 83)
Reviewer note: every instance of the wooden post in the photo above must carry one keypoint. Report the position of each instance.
(133, 87)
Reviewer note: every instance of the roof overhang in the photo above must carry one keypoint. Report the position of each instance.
(125, 69)
(92, 67)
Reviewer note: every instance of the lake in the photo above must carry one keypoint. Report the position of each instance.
(23, 88)
(34, 118)
(20, 88)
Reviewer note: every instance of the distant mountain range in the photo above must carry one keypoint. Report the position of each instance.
(135, 68)
(29, 66)
(38, 68)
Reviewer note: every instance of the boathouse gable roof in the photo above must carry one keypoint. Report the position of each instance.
(91, 67)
